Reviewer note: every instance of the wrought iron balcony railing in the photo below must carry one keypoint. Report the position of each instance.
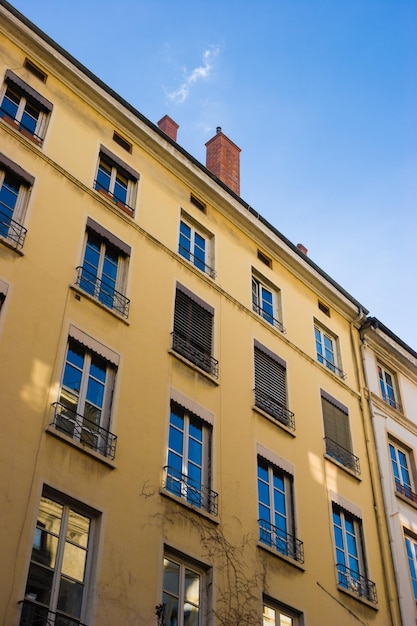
(406, 491)
(331, 366)
(11, 230)
(281, 541)
(84, 430)
(391, 402)
(34, 614)
(195, 354)
(358, 584)
(274, 408)
(102, 292)
(342, 455)
(201, 265)
(99, 187)
(193, 492)
(268, 318)
(27, 130)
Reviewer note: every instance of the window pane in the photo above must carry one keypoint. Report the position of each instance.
(39, 583)
(70, 596)
(45, 550)
(103, 176)
(184, 246)
(10, 103)
(78, 528)
(74, 560)
(192, 586)
(171, 577)
(171, 610)
(120, 188)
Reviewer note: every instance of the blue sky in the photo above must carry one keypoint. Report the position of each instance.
(320, 95)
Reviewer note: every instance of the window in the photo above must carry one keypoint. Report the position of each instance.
(275, 614)
(265, 302)
(56, 587)
(83, 411)
(276, 511)
(15, 185)
(271, 385)
(401, 462)
(411, 550)
(388, 386)
(337, 432)
(104, 269)
(117, 180)
(188, 471)
(326, 349)
(24, 107)
(184, 588)
(350, 558)
(195, 246)
(193, 330)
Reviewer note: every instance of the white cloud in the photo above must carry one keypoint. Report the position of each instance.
(201, 72)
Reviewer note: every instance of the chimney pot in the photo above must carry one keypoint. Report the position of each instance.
(169, 127)
(223, 159)
(302, 248)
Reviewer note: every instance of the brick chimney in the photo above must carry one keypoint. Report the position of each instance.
(302, 248)
(223, 159)
(169, 127)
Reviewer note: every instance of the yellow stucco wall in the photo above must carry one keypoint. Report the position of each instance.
(135, 518)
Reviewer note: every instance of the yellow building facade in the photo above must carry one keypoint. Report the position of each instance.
(184, 436)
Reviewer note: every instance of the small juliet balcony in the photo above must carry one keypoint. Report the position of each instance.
(274, 409)
(35, 614)
(342, 455)
(84, 431)
(268, 317)
(406, 491)
(194, 353)
(356, 583)
(197, 262)
(12, 231)
(392, 402)
(331, 366)
(190, 490)
(102, 291)
(279, 540)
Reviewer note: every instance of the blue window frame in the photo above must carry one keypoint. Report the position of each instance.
(195, 247)
(86, 393)
(9, 193)
(401, 471)
(188, 461)
(388, 387)
(276, 511)
(112, 180)
(411, 549)
(263, 301)
(350, 555)
(326, 349)
(103, 272)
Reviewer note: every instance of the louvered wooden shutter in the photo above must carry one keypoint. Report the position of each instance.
(270, 377)
(193, 323)
(336, 424)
